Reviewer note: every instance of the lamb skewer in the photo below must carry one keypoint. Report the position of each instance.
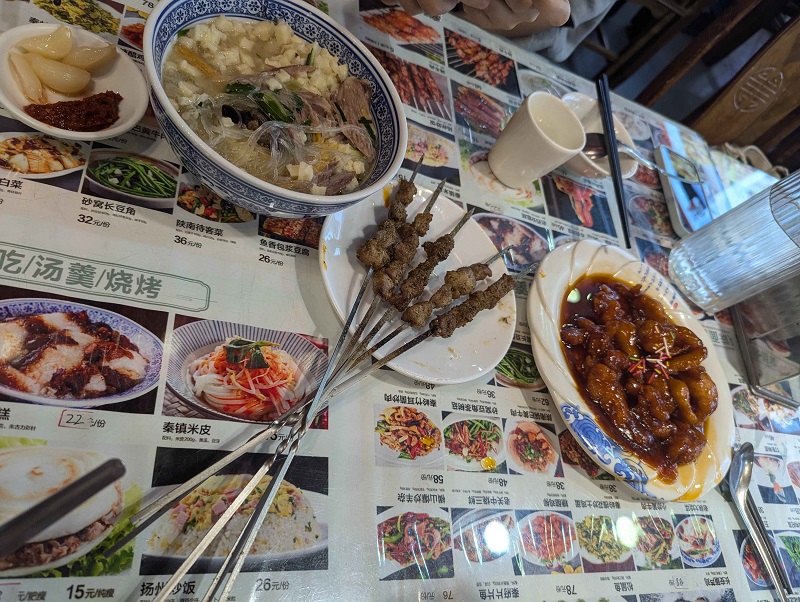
(385, 279)
(442, 326)
(457, 283)
(456, 317)
(156, 508)
(411, 288)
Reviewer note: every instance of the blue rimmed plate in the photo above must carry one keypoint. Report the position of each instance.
(196, 339)
(149, 346)
(557, 273)
(232, 183)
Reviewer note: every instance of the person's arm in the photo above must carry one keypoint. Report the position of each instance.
(516, 18)
(435, 7)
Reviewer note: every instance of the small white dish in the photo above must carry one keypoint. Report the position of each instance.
(585, 108)
(121, 76)
(474, 350)
(557, 273)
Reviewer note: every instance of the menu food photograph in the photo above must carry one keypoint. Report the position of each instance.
(255, 254)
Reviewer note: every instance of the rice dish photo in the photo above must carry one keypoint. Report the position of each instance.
(247, 379)
(290, 524)
(283, 109)
(67, 355)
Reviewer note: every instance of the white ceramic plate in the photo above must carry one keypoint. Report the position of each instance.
(388, 565)
(460, 463)
(121, 76)
(474, 349)
(388, 456)
(550, 469)
(559, 271)
(33, 136)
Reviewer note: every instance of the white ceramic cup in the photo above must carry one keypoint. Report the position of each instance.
(543, 134)
(585, 107)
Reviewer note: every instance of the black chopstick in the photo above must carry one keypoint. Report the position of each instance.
(606, 116)
(20, 529)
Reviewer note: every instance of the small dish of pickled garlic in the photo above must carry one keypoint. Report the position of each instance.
(53, 69)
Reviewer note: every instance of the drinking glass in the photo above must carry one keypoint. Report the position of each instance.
(749, 249)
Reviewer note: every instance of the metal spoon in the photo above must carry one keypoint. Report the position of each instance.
(739, 481)
(595, 148)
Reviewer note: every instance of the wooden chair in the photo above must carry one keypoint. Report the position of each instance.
(703, 43)
(760, 105)
(670, 18)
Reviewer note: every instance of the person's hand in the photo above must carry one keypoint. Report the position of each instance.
(505, 15)
(435, 7)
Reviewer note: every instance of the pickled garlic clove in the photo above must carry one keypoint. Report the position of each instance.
(90, 59)
(54, 45)
(62, 78)
(27, 79)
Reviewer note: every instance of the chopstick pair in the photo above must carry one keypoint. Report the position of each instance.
(607, 118)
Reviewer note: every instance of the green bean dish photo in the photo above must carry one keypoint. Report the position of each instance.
(518, 369)
(134, 176)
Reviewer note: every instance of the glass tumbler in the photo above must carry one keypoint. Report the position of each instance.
(750, 248)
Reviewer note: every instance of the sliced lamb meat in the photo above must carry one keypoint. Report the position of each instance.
(316, 109)
(333, 180)
(352, 103)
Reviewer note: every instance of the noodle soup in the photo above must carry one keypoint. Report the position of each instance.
(283, 109)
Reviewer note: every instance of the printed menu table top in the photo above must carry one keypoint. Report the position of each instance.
(363, 514)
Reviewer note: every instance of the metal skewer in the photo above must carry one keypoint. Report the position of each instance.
(360, 346)
(373, 307)
(353, 346)
(245, 540)
(156, 508)
(405, 325)
(355, 379)
(261, 472)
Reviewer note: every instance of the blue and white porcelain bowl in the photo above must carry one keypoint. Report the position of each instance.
(223, 177)
(555, 277)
